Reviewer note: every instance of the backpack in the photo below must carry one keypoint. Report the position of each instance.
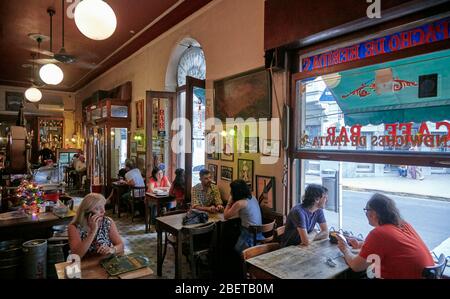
(195, 217)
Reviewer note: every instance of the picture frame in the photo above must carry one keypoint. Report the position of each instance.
(139, 114)
(271, 147)
(212, 143)
(226, 173)
(213, 169)
(245, 171)
(265, 191)
(213, 156)
(251, 145)
(133, 148)
(227, 148)
(13, 100)
(252, 90)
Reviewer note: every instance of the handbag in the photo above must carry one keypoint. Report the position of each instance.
(194, 216)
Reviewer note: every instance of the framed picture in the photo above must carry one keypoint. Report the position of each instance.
(251, 145)
(265, 191)
(212, 142)
(140, 114)
(228, 148)
(213, 169)
(13, 100)
(213, 156)
(245, 171)
(226, 173)
(252, 90)
(133, 148)
(271, 147)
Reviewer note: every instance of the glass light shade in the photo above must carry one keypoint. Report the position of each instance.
(51, 74)
(95, 19)
(33, 94)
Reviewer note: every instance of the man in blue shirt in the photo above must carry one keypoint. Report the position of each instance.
(303, 217)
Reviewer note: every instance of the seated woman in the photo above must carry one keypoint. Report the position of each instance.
(303, 217)
(400, 250)
(158, 180)
(177, 188)
(91, 232)
(245, 206)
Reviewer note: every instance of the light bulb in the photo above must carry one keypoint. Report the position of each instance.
(33, 94)
(95, 19)
(51, 74)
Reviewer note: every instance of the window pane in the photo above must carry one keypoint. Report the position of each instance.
(420, 193)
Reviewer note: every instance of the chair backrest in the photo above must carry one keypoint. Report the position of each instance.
(255, 251)
(279, 233)
(137, 192)
(200, 233)
(436, 271)
(267, 230)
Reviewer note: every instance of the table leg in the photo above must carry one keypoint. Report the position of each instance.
(178, 255)
(159, 260)
(146, 214)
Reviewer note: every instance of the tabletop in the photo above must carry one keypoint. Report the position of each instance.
(302, 262)
(91, 269)
(29, 219)
(176, 221)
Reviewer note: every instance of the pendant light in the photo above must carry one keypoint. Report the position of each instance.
(33, 94)
(95, 19)
(51, 73)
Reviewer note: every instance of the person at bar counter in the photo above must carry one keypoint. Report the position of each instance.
(46, 154)
(206, 195)
(243, 204)
(303, 217)
(177, 187)
(401, 251)
(91, 232)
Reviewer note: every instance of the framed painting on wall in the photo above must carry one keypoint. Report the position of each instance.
(213, 169)
(227, 148)
(140, 114)
(265, 191)
(245, 171)
(252, 90)
(226, 173)
(13, 100)
(251, 145)
(133, 148)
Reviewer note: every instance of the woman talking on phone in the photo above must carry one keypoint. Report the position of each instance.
(91, 232)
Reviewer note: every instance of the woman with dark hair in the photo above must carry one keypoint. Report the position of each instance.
(303, 217)
(245, 206)
(397, 249)
(158, 180)
(177, 188)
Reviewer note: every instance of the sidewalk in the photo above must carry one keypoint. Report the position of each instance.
(434, 186)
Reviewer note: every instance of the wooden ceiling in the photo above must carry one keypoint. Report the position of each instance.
(18, 18)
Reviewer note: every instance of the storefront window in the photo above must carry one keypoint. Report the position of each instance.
(419, 193)
(402, 105)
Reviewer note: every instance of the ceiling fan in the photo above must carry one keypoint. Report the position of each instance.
(62, 56)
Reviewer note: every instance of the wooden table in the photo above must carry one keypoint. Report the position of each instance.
(299, 262)
(158, 202)
(91, 269)
(119, 188)
(173, 224)
(30, 227)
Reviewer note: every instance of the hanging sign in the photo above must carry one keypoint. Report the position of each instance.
(425, 34)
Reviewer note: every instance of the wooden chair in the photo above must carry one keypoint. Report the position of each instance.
(279, 233)
(436, 271)
(201, 243)
(249, 271)
(169, 238)
(266, 229)
(137, 198)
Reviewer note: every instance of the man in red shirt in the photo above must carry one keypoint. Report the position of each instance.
(393, 245)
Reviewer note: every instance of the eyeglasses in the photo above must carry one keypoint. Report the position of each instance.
(367, 209)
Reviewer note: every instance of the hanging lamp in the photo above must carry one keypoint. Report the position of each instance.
(51, 73)
(95, 19)
(33, 94)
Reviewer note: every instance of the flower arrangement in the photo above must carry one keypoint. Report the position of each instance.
(31, 197)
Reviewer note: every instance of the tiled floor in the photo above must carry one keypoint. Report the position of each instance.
(137, 241)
